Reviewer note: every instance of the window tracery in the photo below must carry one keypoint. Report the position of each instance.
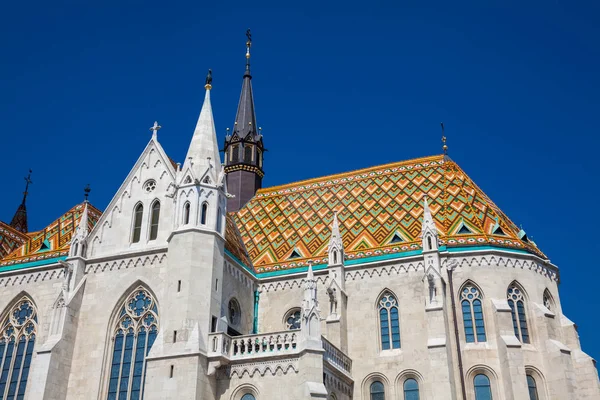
(389, 322)
(233, 312)
(516, 301)
(154, 220)
(472, 310)
(292, 319)
(149, 185)
(17, 339)
(133, 337)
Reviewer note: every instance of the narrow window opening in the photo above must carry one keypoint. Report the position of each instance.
(335, 257)
(213, 324)
(219, 218)
(174, 336)
(186, 214)
(178, 286)
(203, 213)
(171, 374)
(154, 220)
(235, 153)
(248, 154)
(429, 244)
(216, 283)
(137, 223)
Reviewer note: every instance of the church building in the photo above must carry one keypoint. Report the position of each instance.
(402, 281)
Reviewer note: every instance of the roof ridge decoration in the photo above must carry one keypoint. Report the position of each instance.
(374, 204)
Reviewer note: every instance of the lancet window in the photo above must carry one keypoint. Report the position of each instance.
(138, 213)
(203, 213)
(17, 338)
(389, 322)
(186, 213)
(472, 314)
(516, 301)
(154, 220)
(133, 337)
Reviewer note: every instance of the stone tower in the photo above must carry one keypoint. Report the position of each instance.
(244, 147)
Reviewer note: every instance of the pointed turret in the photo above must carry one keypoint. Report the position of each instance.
(19, 220)
(429, 232)
(336, 246)
(203, 151)
(244, 146)
(79, 240)
(311, 315)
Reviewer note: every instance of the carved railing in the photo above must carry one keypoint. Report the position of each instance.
(247, 346)
(275, 342)
(336, 357)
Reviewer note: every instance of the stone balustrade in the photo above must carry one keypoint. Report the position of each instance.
(336, 357)
(247, 346)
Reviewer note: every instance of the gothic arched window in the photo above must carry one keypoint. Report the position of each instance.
(377, 391)
(233, 312)
(516, 301)
(472, 314)
(186, 213)
(548, 301)
(483, 390)
(17, 339)
(411, 389)
(389, 322)
(138, 213)
(235, 153)
(259, 158)
(133, 337)
(292, 319)
(248, 154)
(532, 387)
(154, 217)
(203, 213)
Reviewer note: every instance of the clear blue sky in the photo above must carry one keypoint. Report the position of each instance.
(337, 87)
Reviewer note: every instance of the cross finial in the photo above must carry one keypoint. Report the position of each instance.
(155, 128)
(87, 191)
(248, 45)
(28, 181)
(444, 147)
(208, 81)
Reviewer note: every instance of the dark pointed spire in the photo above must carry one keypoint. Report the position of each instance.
(244, 146)
(245, 119)
(19, 221)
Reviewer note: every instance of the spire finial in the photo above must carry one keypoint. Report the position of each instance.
(248, 45)
(444, 147)
(208, 82)
(86, 192)
(27, 183)
(155, 129)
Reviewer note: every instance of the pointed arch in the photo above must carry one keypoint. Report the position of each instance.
(517, 298)
(471, 301)
(186, 213)
(138, 214)
(17, 339)
(548, 300)
(133, 330)
(389, 320)
(203, 213)
(154, 219)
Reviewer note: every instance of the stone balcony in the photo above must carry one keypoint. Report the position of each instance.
(225, 350)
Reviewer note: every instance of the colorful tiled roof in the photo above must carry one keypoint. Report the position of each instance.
(10, 239)
(380, 211)
(54, 240)
(234, 242)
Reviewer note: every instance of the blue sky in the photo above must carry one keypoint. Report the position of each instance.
(338, 86)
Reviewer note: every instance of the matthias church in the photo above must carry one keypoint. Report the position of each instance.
(402, 281)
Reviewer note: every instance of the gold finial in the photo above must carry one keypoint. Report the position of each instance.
(248, 43)
(208, 82)
(444, 147)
